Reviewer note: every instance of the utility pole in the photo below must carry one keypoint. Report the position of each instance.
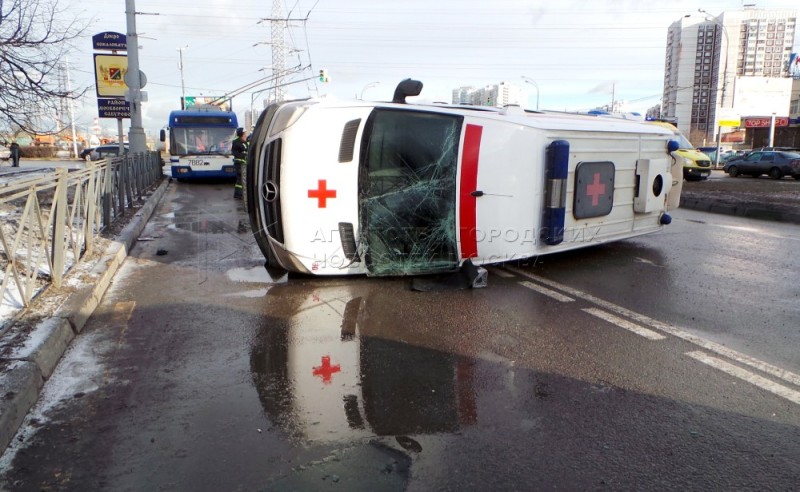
(278, 41)
(278, 48)
(136, 137)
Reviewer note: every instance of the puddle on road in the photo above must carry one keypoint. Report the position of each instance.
(256, 275)
(337, 372)
(203, 226)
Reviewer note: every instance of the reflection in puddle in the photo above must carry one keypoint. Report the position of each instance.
(250, 294)
(328, 377)
(256, 275)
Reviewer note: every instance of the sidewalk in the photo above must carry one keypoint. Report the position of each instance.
(33, 345)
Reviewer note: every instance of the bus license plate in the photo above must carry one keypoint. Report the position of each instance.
(197, 162)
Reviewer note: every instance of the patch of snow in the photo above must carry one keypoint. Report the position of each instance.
(80, 371)
(36, 337)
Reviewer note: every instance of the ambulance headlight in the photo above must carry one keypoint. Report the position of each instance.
(286, 117)
(687, 162)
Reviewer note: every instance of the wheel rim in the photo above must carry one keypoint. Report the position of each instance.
(775, 173)
(733, 171)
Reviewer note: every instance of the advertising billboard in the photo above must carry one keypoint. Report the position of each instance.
(762, 96)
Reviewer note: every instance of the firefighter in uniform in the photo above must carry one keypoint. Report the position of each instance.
(239, 149)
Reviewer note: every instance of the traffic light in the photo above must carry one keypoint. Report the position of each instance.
(323, 75)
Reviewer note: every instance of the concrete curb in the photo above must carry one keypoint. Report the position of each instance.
(32, 363)
(741, 209)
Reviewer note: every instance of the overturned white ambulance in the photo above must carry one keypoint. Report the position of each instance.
(376, 188)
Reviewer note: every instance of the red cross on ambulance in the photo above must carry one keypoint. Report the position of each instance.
(322, 193)
(594, 189)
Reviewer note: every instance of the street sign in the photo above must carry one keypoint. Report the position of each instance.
(189, 101)
(110, 74)
(110, 41)
(109, 71)
(729, 117)
(142, 79)
(113, 107)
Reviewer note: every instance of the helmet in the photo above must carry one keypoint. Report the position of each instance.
(239, 132)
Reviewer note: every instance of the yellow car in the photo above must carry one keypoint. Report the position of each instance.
(696, 165)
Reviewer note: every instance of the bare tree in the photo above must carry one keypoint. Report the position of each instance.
(35, 38)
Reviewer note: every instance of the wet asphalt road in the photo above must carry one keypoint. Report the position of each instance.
(664, 362)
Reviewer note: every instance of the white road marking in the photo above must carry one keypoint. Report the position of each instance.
(754, 379)
(549, 293)
(625, 324)
(675, 331)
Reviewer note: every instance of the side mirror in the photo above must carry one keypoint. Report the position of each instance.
(162, 135)
(406, 88)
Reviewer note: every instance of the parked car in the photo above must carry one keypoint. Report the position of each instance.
(724, 156)
(784, 149)
(106, 151)
(795, 168)
(86, 153)
(776, 164)
(5, 154)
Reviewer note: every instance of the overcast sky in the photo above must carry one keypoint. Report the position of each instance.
(577, 52)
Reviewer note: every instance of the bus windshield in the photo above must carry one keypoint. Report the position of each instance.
(407, 192)
(201, 141)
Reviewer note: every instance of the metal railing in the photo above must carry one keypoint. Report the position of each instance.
(49, 222)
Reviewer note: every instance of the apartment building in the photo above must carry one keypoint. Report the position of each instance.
(499, 95)
(735, 65)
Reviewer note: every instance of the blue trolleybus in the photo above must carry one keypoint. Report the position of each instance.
(200, 143)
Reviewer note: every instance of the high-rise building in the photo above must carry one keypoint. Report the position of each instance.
(499, 95)
(736, 63)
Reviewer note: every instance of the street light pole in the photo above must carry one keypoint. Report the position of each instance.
(371, 84)
(180, 66)
(534, 84)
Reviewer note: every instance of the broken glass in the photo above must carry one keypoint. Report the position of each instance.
(407, 192)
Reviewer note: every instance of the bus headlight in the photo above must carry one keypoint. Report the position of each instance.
(286, 117)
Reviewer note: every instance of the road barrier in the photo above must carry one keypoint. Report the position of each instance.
(48, 223)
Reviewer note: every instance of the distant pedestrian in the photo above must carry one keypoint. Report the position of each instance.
(14, 148)
(239, 149)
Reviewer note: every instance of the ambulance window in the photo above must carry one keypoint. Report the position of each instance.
(407, 191)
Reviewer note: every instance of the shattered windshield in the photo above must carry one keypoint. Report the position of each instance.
(201, 141)
(407, 192)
